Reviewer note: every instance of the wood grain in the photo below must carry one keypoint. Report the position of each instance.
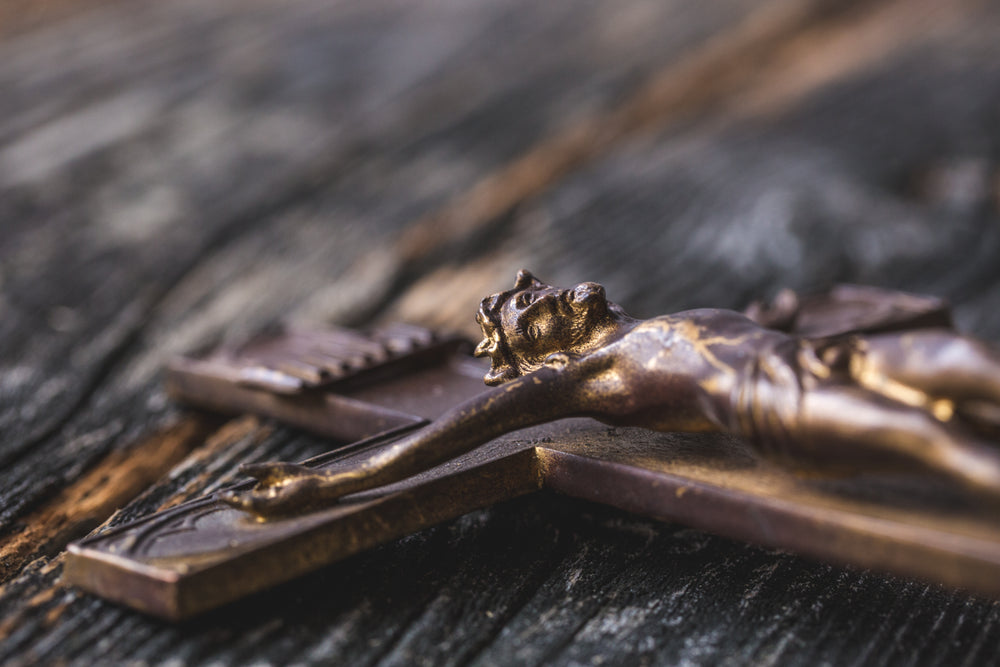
(182, 172)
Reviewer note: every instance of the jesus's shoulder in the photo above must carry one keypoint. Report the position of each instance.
(701, 322)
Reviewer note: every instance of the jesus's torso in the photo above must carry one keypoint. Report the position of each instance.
(689, 371)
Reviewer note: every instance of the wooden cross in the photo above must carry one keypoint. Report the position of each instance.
(372, 389)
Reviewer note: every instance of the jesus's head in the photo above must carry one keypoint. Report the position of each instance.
(526, 324)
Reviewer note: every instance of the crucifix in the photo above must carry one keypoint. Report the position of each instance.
(786, 425)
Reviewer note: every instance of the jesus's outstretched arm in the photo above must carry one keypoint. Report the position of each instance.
(547, 394)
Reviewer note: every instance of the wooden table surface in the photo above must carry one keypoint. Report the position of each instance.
(179, 173)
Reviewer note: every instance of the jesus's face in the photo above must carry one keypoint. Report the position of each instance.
(523, 326)
(540, 320)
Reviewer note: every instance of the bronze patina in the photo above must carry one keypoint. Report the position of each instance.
(923, 397)
(859, 377)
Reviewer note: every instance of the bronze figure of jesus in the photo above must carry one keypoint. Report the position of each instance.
(925, 397)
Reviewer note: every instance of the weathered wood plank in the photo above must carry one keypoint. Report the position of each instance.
(250, 180)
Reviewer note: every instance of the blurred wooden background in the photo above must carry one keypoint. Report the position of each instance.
(178, 173)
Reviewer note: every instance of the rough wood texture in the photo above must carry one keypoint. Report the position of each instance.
(172, 173)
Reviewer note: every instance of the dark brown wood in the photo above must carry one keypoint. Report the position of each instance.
(174, 174)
